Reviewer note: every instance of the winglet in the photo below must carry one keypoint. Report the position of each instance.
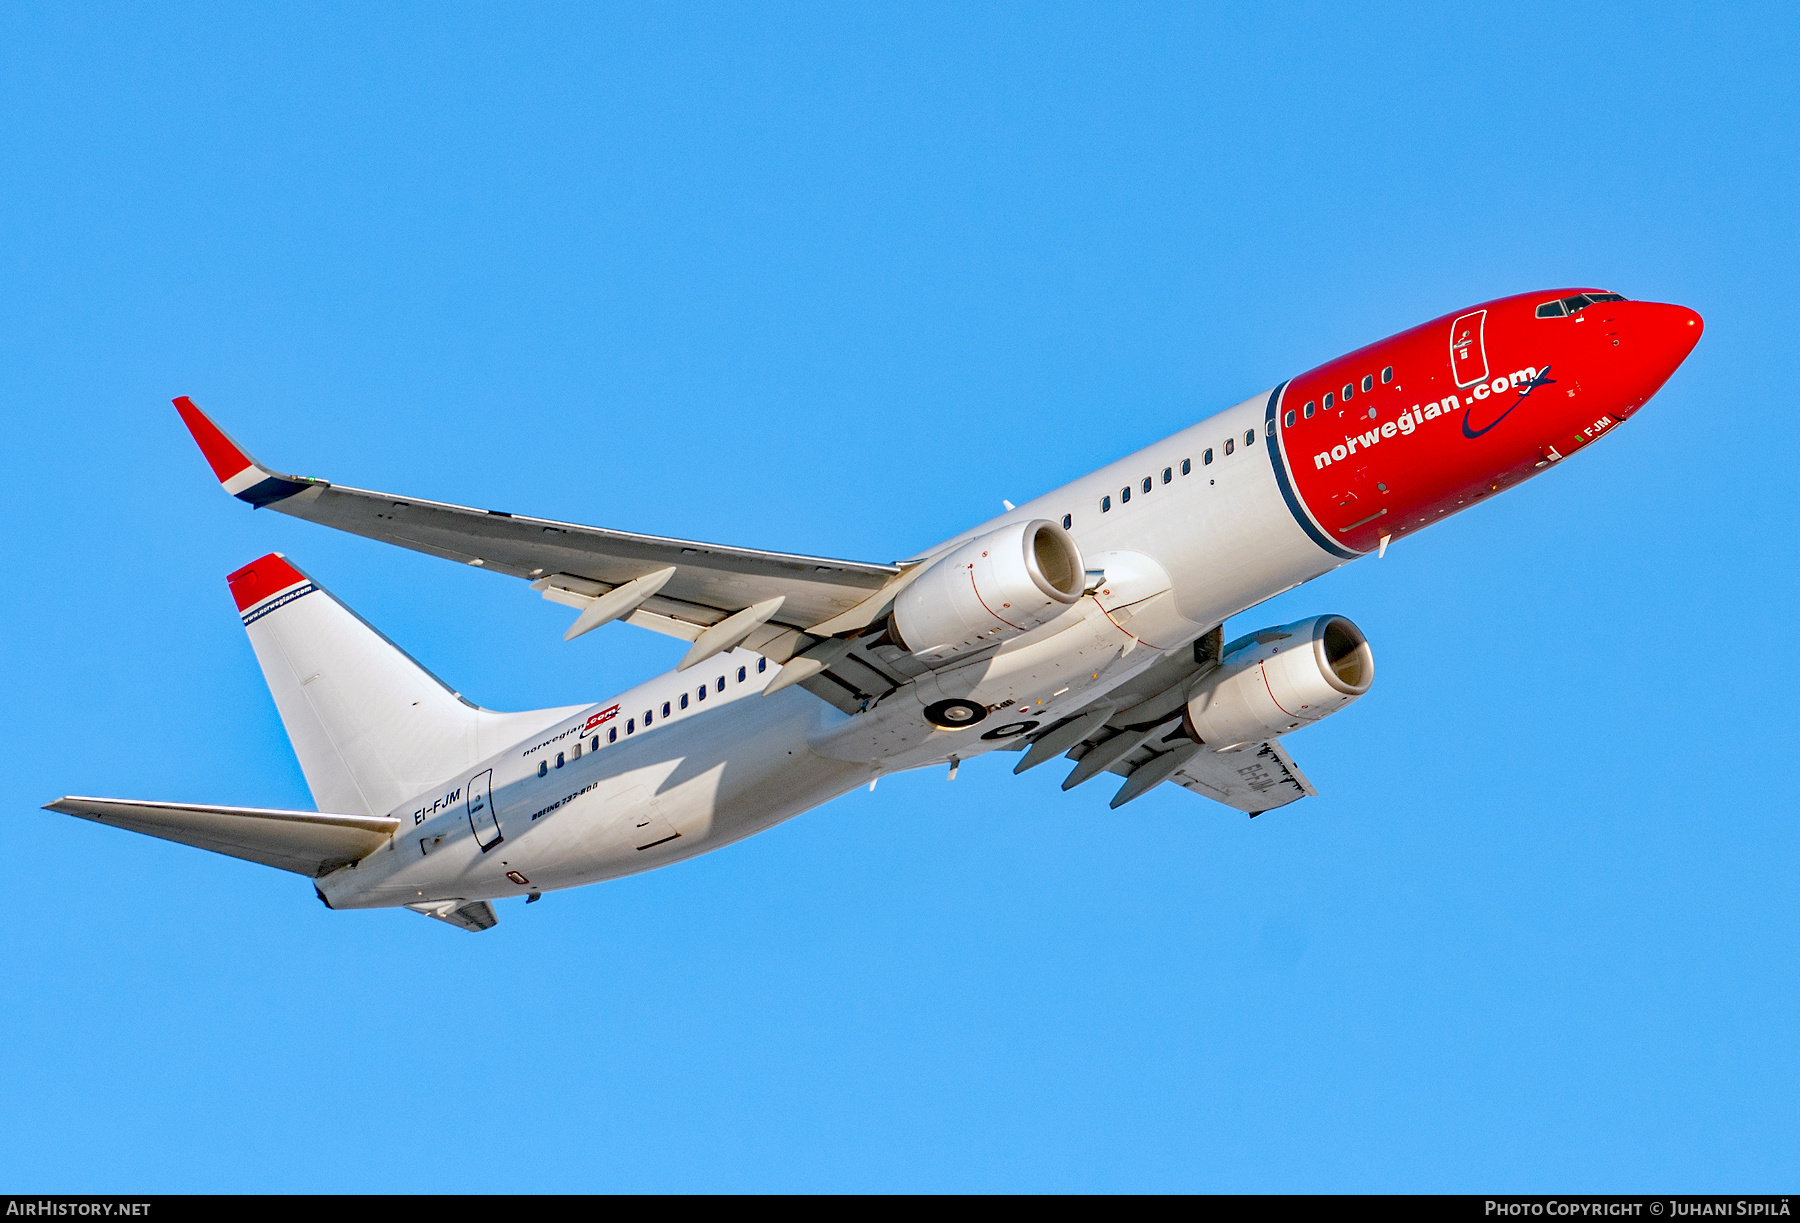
(242, 476)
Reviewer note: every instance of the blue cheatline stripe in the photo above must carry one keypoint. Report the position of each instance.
(265, 492)
(279, 601)
(1287, 487)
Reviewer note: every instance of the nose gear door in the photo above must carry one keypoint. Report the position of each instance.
(1468, 348)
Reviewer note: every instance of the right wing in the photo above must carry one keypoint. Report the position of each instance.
(304, 842)
(778, 604)
(1135, 732)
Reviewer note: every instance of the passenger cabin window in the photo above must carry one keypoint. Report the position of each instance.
(721, 683)
(665, 709)
(1068, 521)
(1125, 494)
(1349, 389)
(1105, 504)
(647, 719)
(1168, 474)
(740, 675)
(1249, 437)
(1288, 420)
(684, 700)
(1311, 407)
(543, 768)
(596, 746)
(1187, 465)
(575, 752)
(1207, 457)
(630, 726)
(1328, 399)
(762, 664)
(1228, 446)
(1387, 375)
(1148, 484)
(1368, 382)
(701, 695)
(559, 760)
(612, 736)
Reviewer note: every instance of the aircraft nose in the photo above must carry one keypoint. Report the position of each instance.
(1666, 334)
(1658, 337)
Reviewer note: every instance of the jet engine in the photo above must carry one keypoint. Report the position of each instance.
(996, 586)
(1279, 680)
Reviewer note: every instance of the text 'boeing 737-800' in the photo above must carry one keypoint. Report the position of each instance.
(1087, 623)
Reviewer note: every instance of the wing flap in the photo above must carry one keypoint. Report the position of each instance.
(306, 842)
(1254, 779)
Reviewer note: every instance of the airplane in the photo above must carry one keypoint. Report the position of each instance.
(1087, 623)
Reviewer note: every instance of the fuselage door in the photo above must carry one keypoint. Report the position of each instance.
(1468, 348)
(481, 810)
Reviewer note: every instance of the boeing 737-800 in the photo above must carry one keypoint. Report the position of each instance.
(1087, 623)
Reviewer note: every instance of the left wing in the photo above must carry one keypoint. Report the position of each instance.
(718, 597)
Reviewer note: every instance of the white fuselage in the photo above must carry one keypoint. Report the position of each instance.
(622, 787)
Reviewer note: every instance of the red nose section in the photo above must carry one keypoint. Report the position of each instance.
(1676, 329)
(1659, 338)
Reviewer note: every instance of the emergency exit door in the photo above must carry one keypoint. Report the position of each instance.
(481, 811)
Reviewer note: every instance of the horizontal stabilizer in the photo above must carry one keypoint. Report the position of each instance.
(305, 842)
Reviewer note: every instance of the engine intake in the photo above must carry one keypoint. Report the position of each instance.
(1279, 680)
(999, 585)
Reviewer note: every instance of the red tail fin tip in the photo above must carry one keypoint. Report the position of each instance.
(261, 578)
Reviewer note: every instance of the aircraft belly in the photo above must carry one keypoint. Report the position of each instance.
(1029, 681)
(698, 786)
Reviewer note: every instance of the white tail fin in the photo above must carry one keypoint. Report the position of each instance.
(372, 728)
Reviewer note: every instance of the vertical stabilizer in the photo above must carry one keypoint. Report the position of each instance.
(372, 728)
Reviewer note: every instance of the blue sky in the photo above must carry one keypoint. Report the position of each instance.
(838, 279)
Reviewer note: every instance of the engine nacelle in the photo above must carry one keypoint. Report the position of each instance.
(1279, 680)
(997, 586)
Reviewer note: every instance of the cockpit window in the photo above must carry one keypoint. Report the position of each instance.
(1570, 305)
